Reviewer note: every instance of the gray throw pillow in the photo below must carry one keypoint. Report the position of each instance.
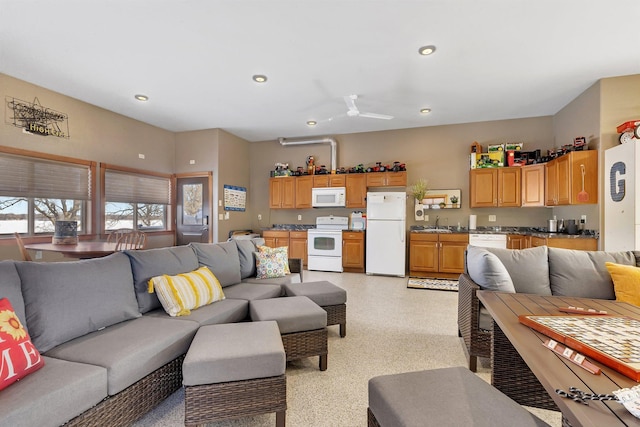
(528, 268)
(149, 263)
(246, 249)
(222, 259)
(583, 273)
(66, 300)
(487, 270)
(10, 289)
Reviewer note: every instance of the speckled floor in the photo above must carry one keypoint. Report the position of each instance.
(390, 329)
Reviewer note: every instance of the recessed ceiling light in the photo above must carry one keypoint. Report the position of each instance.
(427, 50)
(425, 110)
(259, 78)
(142, 98)
(312, 123)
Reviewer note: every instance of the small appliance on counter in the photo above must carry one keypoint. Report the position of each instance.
(357, 221)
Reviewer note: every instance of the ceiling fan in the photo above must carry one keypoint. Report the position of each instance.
(354, 112)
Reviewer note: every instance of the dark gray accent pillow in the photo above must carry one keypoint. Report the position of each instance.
(10, 289)
(528, 268)
(66, 300)
(149, 263)
(487, 270)
(222, 259)
(583, 273)
(246, 249)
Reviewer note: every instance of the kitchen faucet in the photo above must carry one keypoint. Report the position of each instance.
(437, 219)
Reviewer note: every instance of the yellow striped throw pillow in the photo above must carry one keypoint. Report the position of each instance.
(182, 293)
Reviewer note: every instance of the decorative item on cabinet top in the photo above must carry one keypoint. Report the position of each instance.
(312, 168)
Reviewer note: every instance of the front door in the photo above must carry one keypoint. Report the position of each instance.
(193, 209)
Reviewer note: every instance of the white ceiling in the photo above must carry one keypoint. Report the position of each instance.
(495, 59)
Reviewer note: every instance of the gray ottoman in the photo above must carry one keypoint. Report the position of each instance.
(330, 297)
(442, 397)
(235, 370)
(302, 323)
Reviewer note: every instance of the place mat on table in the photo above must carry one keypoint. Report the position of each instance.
(434, 284)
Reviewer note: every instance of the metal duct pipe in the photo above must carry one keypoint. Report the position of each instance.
(309, 141)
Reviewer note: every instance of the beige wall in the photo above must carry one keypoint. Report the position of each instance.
(439, 154)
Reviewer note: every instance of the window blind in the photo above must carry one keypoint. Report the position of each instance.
(33, 177)
(128, 187)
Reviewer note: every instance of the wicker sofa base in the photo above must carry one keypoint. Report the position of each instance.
(371, 419)
(298, 345)
(215, 402)
(124, 408)
(337, 315)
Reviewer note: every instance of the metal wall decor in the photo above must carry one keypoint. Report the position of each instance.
(36, 119)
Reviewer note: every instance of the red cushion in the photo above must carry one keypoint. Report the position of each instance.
(18, 357)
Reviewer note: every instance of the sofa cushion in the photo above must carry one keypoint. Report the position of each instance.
(181, 293)
(65, 300)
(130, 350)
(149, 263)
(18, 356)
(487, 270)
(222, 258)
(10, 289)
(253, 291)
(270, 265)
(584, 273)
(246, 249)
(528, 268)
(286, 279)
(57, 393)
(626, 282)
(225, 311)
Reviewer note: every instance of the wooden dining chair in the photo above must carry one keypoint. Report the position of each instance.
(115, 235)
(132, 241)
(23, 250)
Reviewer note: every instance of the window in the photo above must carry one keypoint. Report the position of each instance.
(135, 199)
(36, 189)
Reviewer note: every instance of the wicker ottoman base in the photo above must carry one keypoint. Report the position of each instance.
(215, 402)
(298, 345)
(337, 315)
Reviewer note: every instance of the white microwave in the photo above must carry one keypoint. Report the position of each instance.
(328, 197)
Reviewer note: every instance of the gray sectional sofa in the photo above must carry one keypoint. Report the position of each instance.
(111, 352)
(542, 270)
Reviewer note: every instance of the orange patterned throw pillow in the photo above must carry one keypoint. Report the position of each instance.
(18, 357)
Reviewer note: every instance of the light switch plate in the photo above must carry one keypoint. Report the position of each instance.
(492, 218)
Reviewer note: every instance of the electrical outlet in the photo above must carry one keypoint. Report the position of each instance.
(220, 217)
(426, 217)
(226, 215)
(259, 217)
(492, 218)
(299, 217)
(583, 219)
(38, 254)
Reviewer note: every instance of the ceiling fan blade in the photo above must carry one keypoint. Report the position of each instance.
(376, 116)
(350, 100)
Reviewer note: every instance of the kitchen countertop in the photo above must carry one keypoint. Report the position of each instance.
(527, 231)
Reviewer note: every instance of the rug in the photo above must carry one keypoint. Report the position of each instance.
(435, 284)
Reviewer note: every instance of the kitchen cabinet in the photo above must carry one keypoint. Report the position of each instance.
(298, 245)
(495, 187)
(296, 241)
(303, 191)
(538, 241)
(353, 251)
(333, 180)
(356, 190)
(437, 255)
(564, 176)
(581, 244)
(282, 193)
(387, 179)
(516, 241)
(533, 190)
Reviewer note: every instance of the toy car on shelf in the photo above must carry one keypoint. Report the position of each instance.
(629, 131)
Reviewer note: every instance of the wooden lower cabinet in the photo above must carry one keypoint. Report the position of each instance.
(296, 241)
(275, 238)
(437, 255)
(580, 244)
(353, 251)
(516, 241)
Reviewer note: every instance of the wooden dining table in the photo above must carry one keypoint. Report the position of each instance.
(81, 250)
(528, 372)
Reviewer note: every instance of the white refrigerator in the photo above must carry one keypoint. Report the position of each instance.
(621, 201)
(386, 233)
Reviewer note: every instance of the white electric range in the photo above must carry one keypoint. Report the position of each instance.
(324, 243)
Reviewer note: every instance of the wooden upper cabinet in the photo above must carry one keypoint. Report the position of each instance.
(303, 191)
(321, 181)
(282, 193)
(356, 185)
(564, 177)
(509, 187)
(533, 186)
(483, 188)
(387, 179)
